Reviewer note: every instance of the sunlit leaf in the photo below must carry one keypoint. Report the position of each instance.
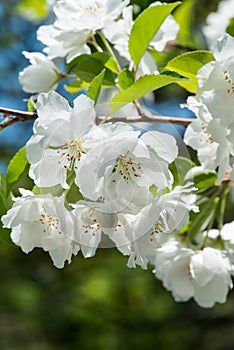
(17, 166)
(145, 28)
(125, 79)
(183, 16)
(188, 65)
(141, 87)
(95, 86)
(32, 10)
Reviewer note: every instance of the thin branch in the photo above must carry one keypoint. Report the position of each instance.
(139, 109)
(149, 118)
(7, 112)
(14, 116)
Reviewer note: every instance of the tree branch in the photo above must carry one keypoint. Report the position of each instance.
(7, 112)
(14, 116)
(150, 118)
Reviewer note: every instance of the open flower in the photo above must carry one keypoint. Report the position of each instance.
(217, 22)
(63, 140)
(212, 133)
(64, 135)
(96, 226)
(42, 222)
(202, 275)
(152, 226)
(122, 170)
(41, 76)
(76, 22)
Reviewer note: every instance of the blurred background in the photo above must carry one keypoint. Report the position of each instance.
(96, 303)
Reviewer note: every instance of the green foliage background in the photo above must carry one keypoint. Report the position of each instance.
(98, 303)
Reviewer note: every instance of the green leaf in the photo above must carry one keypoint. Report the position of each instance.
(125, 79)
(87, 67)
(230, 28)
(145, 28)
(31, 105)
(5, 204)
(75, 86)
(112, 65)
(32, 10)
(202, 179)
(16, 166)
(95, 86)
(108, 61)
(73, 195)
(141, 87)
(183, 16)
(24, 181)
(54, 190)
(201, 220)
(179, 168)
(188, 65)
(3, 184)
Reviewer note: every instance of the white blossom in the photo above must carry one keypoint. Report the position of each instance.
(41, 76)
(217, 22)
(152, 226)
(223, 239)
(63, 136)
(62, 142)
(202, 275)
(42, 222)
(122, 170)
(212, 133)
(95, 223)
(76, 22)
(60, 43)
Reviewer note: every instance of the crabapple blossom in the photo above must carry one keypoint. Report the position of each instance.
(153, 225)
(76, 22)
(61, 144)
(42, 222)
(63, 44)
(97, 226)
(45, 74)
(217, 22)
(122, 170)
(202, 275)
(211, 134)
(222, 239)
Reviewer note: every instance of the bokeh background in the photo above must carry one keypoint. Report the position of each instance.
(96, 303)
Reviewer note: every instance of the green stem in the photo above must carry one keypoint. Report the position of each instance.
(95, 44)
(222, 204)
(109, 49)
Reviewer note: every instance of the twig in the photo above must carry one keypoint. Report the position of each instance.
(139, 109)
(14, 116)
(149, 118)
(20, 114)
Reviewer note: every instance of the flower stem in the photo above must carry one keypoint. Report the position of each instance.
(109, 49)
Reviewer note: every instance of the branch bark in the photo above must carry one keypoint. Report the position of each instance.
(14, 116)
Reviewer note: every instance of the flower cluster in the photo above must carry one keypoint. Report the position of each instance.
(113, 167)
(74, 32)
(211, 134)
(101, 183)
